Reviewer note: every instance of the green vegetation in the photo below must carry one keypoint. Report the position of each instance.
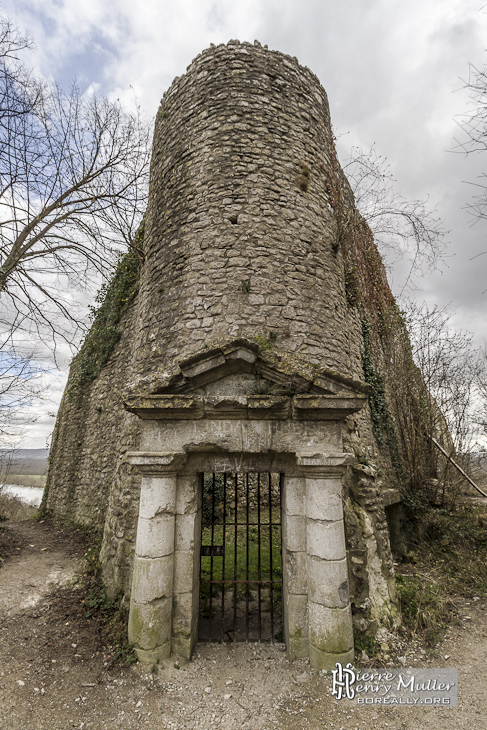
(449, 555)
(382, 423)
(242, 559)
(368, 644)
(241, 556)
(113, 299)
(111, 615)
(27, 480)
(266, 343)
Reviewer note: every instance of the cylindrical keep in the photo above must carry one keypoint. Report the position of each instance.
(241, 233)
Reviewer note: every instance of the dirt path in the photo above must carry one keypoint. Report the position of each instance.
(54, 675)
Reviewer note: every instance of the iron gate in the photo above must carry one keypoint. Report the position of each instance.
(241, 562)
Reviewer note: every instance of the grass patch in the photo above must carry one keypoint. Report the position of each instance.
(27, 480)
(449, 554)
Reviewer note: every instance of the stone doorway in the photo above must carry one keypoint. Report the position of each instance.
(241, 557)
(208, 420)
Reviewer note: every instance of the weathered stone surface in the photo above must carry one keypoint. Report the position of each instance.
(330, 629)
(157, 496)
(152, 579)
(326, 540)
(324, 501)
(294, 532)
(294, 498)
(328, 582)
(155, 537)
(296, 572)
(150, 625)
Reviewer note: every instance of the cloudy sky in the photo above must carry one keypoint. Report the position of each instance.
(393, 71)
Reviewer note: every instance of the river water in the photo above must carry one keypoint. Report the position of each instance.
(29, 495)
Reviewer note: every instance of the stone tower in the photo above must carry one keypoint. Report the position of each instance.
(241, 352)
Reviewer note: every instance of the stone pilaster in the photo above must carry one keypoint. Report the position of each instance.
(329, 615)
(186, 566)
(151, 604)
(295, 598)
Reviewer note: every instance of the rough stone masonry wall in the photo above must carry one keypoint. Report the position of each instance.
(251, 231)
(241, 235)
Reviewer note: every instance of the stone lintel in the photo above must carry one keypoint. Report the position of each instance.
(167, 407)
(326, 407)
(192, 407)
(324, 464)
(153, 463)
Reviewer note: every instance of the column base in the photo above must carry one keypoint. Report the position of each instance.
(323, 660)
(154, 656)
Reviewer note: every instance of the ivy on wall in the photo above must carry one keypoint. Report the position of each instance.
(382, 423)
(112, 300)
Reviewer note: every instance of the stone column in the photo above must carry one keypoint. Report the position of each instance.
(330, 619)
(150, 618)
(186, 566)
(295, 598)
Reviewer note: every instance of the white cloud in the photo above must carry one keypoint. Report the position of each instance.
(391, 70)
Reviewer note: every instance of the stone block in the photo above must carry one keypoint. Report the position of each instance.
(152, 579)
(324, 499)
(296, 614)
(326, 540)
(187, 494)
(185, 532)
(182, 613)
(294, 533)
(328, 582)
(294, 570)
(183, 571)
(150, 624)
(154, 656)
(155, 537)
(325, 660)
(157, 495)
(330, 629)
(297, 647)
(182, 647)
(294, 496)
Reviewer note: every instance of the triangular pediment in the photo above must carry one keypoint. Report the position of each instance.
(272, 373)
(241, 378)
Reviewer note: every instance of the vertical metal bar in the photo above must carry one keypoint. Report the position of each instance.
(211, 552)
(224, 525)
(258, 557)
(281, 483)
(270, 558)
(235, 563)
(247, 562)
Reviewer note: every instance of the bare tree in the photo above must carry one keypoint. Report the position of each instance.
(451, 368)
(402, 228)
(73, 190)
(474, 138)
(443, 403)
(22, 385)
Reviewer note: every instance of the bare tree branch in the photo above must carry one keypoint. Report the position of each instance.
(402, 228)
(73, 190)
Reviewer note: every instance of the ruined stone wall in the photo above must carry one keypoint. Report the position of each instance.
(251, 231)
(241, 235)
(93, 430)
